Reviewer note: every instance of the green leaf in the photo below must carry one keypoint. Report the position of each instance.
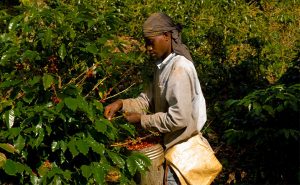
(8, 55)
(13, 24)
(100, 126)
(20, 143)
(2, 159)
(71, 103)
(63, 146)
(8, 147)
(9, 118)
(10, 167)
(116, 158)
(67, 175)
(56, 180)
(54, 171)
(83, 104)
(34, 80)
(98, 105)
(231, 102)
(72, 148)
(10, 83)
(129, 128)
(35, 180)
(47, 81)
(96, 147)
(40, 138)
(82, 146)
(31, 55)
(54, 146)
(92, 49)
(43, 170)
(269, 109)
(58, 108)
(46, 38)
(20, 167)
(62, 51)
(131, 165)
(86, 171)
(137, 161)
(98, 174)
(48, 130)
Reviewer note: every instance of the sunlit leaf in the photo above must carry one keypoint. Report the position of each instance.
(8, 147)
(100, 126)
(10, 118)
(116, 158)
(72, 147)
(137, 161)
(54, 146)
(35, 180)
(40, 138)
(15, 22)
(86, 171)
(56, 180)
(2, 159)
(71, 103)
(96, 147)
(82, 146)
(131, 165)
(62, 51)
(20, 143)
(47, 81)
(98, 174)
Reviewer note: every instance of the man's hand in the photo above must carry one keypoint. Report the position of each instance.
(112, 108)
(132, 117)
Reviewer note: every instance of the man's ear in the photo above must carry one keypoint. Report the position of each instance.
(167, 35)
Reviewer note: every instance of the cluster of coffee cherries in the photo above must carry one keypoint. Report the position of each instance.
(52, 64)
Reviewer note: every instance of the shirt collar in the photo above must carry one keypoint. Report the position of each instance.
(160, 64)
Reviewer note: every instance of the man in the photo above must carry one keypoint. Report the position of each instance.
(175, 95)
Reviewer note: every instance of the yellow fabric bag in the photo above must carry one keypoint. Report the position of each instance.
(194, 161)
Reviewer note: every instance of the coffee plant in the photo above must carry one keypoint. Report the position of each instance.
(62, 61)
(59, 63)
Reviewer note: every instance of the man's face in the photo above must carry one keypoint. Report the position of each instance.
(158, 47)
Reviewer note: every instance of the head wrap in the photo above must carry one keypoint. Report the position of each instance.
(158, 23)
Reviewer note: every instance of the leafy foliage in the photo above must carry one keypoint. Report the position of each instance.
(62, 60)
(56, 62)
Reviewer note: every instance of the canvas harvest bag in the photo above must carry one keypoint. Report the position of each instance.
(194, 161)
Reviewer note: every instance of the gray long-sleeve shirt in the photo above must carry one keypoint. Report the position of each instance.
(176, 99)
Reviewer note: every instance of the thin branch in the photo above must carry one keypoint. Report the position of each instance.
(81, 81)
(75, 79)
(99, 83)
(133, 141)
(83, 73)
(120, 92)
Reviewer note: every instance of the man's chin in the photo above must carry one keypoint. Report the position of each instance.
(154, 57)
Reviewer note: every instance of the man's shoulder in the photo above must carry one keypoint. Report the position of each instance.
(181, 61)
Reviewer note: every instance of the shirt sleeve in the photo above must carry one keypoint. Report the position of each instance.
(140, 104)
(179, 98)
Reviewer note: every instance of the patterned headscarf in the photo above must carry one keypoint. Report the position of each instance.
(157, 24)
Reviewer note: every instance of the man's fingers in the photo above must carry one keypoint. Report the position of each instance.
(112, 108)
(106, 112)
